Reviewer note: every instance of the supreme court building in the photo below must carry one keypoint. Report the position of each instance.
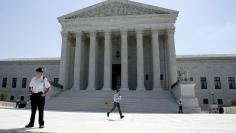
(128, 45)
(118, 44)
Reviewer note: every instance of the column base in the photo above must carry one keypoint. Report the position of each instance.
(157, 89)
(75, 88)
(140, 89)
(106, 89)
(124, 89)
(90, 89)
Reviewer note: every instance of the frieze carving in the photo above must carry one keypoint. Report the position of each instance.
(116, 9)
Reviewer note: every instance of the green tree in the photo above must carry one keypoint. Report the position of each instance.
(233, 101)
(3, 96)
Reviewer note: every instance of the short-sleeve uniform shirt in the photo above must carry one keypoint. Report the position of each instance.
(39, 84)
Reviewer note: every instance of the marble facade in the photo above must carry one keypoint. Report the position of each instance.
(137, 37)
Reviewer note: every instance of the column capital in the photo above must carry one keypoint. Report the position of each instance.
(155, 30)
(64, 33)
(92, 33)
(78, 33)
(139, 31)
(107, 32)
(170, 30)
(123, 31)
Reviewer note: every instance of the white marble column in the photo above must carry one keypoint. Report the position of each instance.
(92, 61)
(172, 57)
(140, 62)
(77, 65)
(124, 59)
(156, 60)
(64, 63)
(107, 61)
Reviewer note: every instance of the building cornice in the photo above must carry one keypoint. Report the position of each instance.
(206, 57)
(29, 61)
(178, 58)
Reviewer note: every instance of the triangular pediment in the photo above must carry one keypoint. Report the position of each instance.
(117, 8)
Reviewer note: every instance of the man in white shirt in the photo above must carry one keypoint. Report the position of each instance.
(38, 90)
(116, 103)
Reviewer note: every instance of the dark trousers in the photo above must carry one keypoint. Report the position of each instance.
(37, 102)
(180, 109)
(17, 104)
(115, 104)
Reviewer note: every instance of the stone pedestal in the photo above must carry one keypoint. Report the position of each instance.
(186, 93)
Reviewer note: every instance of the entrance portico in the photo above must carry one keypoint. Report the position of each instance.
(140, 42)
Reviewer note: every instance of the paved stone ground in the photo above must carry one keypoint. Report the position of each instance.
(12, 120)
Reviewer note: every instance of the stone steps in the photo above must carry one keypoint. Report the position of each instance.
(101, 101)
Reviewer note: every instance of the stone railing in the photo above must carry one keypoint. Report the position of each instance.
(175, 84)
(213, 108)
(229, 110)
(56, 90)
(4, 104)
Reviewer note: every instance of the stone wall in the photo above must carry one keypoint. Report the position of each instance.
(25, 69)
(208, 66)
(222, 66)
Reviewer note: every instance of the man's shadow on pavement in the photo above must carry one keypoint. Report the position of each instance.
(22, 130)
(110, 119)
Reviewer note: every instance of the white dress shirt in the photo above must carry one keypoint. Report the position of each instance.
(38, 84)
(117, 98)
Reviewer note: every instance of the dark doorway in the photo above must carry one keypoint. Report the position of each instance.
(116, 76)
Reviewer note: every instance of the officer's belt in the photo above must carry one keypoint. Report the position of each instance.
(37, 94)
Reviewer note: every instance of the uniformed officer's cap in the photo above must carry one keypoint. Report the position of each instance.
(40, 69)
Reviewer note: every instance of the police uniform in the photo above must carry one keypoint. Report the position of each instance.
(180, 107)
(38, 86)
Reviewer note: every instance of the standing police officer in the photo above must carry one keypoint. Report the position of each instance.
(38, 90)
(180, 107)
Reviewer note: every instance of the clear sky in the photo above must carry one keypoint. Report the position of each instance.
(29, 28)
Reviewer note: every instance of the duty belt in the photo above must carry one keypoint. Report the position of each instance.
(37, 94)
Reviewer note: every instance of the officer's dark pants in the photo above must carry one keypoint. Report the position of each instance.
(37, 102)
(180, 109)
(115, 104)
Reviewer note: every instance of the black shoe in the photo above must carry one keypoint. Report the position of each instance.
(122, 117)
(108, 114)
(29, 126)
(41, 126)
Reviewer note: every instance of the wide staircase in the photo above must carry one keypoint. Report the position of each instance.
(159, 101)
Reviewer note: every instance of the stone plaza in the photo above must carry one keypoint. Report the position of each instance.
(12, 121)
